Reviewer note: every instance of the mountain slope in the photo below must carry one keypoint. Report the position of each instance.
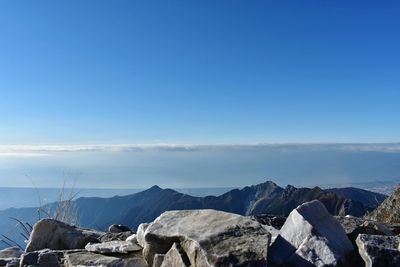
(265, 198)
(145, 206)
(367, 198)
(389, 210)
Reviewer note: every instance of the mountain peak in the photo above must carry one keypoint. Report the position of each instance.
(155, 188)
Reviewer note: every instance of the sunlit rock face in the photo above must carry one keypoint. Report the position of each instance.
(310, 236)
(389, 210)
(208, 237)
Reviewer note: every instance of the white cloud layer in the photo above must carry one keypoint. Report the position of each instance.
(44, 150)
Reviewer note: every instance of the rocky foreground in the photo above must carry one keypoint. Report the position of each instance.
(309, 236)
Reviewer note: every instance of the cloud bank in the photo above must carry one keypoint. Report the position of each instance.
(46, 150)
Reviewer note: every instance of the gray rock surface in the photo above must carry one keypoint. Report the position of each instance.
(175, 257)
(354, 226)
(42, 258)
(208, 237)
(13, 252)
(310, 236)
(122, 247)
(57, 235)
(89, 259)
(379, 251)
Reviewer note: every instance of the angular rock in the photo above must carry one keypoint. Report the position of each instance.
(43, 258)
(48, 259)
(118, 228)
(208, 237)
(379, 251)
(13, 252)
(122, 247)
(57, 235)
(175, 257)
(389, 210)
(310, 236)
(89, 259)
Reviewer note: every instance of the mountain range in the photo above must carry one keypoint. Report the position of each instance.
(145, 206)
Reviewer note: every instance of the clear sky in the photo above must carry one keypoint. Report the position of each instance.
(201, 72)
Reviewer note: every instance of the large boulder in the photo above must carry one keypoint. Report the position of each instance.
(310, 237)
(56, 235)
(207, 237)
(389, 211)
(378, 250)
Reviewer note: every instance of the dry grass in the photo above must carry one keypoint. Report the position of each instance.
(64, 210)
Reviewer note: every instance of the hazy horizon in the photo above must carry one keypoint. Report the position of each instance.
(191, 166)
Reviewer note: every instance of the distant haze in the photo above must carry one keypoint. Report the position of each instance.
(180, 166)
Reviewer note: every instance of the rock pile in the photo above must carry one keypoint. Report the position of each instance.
(310, 236)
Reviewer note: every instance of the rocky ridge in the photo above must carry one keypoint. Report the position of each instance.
(389, 210)
(263, 199)
(309, 236)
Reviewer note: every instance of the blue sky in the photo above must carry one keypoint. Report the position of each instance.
(200, 72)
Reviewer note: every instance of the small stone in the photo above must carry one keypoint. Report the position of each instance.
(118, 228)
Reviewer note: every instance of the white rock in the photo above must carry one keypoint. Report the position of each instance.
(310, 235)
(208, 237)
(113, 247)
